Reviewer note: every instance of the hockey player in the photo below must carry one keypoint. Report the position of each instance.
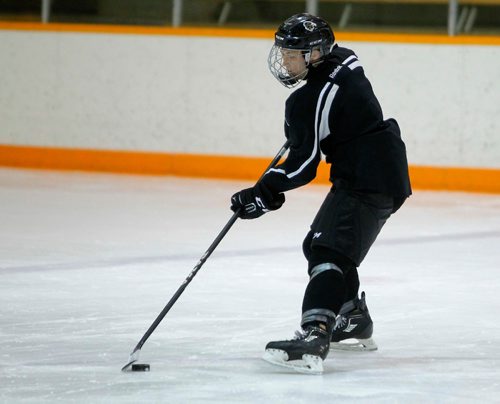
(336, 113)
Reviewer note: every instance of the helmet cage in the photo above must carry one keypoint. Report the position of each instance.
(280, 72)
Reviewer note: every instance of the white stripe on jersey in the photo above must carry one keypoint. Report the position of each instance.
(352, 66)
(324, 126)
(276, 170)
(349, 59)
(315, 147)
(320, 131)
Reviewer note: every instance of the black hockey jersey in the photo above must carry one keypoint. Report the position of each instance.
(336, 112)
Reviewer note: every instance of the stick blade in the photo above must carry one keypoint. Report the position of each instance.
(134, 357)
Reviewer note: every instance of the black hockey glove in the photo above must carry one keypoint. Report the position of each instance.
(254, 202)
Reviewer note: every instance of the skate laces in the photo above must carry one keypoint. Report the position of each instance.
(300, 334)
(340, 322)
(304, 333)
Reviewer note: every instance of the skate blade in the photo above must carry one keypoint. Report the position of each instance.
(311, 365)
(353, 344)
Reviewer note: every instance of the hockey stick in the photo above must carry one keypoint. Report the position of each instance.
(134, 356)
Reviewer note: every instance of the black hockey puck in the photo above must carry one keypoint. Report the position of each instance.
(140, 367)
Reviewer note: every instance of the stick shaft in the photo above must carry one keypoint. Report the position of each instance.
(203, 258)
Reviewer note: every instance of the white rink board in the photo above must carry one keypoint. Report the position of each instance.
(215, 95)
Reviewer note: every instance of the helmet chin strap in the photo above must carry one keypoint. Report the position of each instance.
(307, 58)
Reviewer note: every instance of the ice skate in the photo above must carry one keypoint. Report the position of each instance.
(304, 353)
(353, 327)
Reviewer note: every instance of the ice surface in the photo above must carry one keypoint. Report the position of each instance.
(87, 262)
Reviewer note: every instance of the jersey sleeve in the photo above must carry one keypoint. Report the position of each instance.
(304, 155)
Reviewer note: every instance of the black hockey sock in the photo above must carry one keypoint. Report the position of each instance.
(352, 284)
(325, 291)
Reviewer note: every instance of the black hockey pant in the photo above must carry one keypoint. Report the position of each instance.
(341, 235)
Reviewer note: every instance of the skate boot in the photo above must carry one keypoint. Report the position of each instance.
(353, 327)
(304, 353)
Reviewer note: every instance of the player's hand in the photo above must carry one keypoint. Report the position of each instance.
(254, 202)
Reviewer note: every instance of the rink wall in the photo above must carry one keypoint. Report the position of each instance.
(201, 102)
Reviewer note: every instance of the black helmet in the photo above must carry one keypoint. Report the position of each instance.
(304, 32)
